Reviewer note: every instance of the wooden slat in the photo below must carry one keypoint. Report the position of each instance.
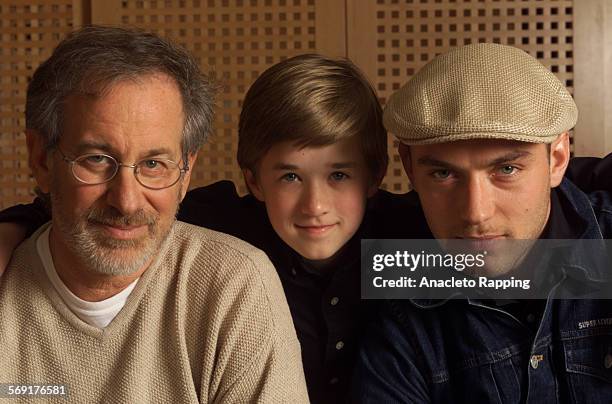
(593, 83)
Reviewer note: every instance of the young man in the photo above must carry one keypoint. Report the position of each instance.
(313, 151)
(114, 300)
(485, 145)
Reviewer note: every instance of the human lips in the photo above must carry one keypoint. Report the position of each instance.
(482, 241)
(122, 227)
(122, 232)
(315, 229)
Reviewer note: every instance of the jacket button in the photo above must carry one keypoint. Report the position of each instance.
(339, 345)
(334, 301)
(535, 360)
(608, 361)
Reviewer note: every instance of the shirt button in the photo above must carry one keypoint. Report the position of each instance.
(334, 301)
(334, 380)
(293, 272)
(339, 345)
(530, 318)
(608, 361)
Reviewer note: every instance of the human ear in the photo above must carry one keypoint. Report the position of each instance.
(253, 184)
(191, 159)
(559, 159)
(376, 181)
(38, 159)
(404, 153)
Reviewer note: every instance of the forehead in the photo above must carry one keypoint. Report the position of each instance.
(345, 149)
(477, 151)
(129, 114)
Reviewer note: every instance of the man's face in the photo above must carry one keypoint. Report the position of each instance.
(486, 189)
(116, 228)
(315, 196)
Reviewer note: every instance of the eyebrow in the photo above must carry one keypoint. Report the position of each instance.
(506, 158)
(106, 148)
(340, 165)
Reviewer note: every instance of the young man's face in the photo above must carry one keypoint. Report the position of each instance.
(315, 196)
(486, 189)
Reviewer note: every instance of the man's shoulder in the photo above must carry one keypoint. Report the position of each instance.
(212, 243)
(215, 259)
(601, 201)
(227, 280)
(594, 208)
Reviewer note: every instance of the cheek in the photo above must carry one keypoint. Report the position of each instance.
(438, 212)
(280, 207)
(164, 203)
(74, 197)
(351, 206)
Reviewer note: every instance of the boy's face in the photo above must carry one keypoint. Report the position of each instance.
(315, 196)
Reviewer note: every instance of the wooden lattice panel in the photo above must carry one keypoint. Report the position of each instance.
(409, 33)
(28, 33)
(235, 41)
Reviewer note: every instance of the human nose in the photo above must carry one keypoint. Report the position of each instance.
(315, 200)
(124, 192)
(478, 201)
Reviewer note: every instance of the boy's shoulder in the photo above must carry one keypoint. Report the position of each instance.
(392, 215)
(219, 207)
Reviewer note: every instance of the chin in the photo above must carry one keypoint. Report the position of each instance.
(315, 255)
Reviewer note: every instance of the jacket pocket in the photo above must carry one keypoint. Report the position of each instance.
(494, 378)
(588, 363)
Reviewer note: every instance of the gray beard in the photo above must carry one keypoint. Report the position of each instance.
(103, 255)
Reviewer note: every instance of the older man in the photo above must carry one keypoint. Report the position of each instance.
(483, 132)
(115, 301)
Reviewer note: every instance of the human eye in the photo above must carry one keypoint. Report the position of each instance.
(508, 170)
(339, 176)
(153, 167)
(95, 161)
(441, 174)
(290, 177)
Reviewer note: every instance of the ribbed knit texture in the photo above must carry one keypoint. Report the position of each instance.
(207, 322)
(481, 91)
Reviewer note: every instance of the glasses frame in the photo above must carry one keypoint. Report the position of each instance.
(118, 165)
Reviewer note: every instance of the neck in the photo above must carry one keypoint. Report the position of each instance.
(80, 280)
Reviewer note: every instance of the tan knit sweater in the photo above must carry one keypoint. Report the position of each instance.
(207, 322)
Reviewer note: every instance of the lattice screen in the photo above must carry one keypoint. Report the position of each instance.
(409, 33)
(238, 39)
(28, 33)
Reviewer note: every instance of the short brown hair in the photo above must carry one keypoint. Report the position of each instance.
(311, 100)
(94, 58)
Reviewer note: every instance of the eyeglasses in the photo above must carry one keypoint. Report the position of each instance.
(152, 173)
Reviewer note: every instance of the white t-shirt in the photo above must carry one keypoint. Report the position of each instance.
(98, 314)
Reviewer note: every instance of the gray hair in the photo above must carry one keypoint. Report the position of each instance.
(96, 57)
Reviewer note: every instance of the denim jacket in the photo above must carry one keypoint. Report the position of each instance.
(464, 351)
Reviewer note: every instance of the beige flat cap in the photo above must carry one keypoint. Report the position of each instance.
(481, 91)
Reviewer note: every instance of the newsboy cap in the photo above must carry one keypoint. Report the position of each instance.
(481, 91)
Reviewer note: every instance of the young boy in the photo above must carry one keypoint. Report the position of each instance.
(313, 151)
